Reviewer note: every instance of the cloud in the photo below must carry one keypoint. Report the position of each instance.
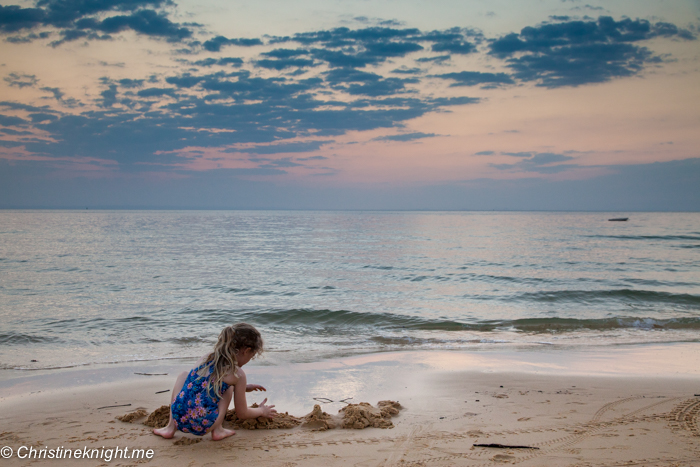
(307, 146)
(438, 59)
(29, 108)
(9, 131)
(41, 117)
(357, 48)
(14, 18)
(538, 162)
(261, 108)
(383, 50)
(156, 92)
(145, 22)
(383, 87)
(12, 121)
(64, 12)
(313, 158)
(405, 137)
(208, 62)
(21, 80)
(589, 7)
(282, 63)
(185, 80)
(484, 153)
(109, 96)
(264, 171)
(442, 101)
(454, 47)
(373, 54)
(131, 83)
(275, 163)
(336, 58)
(406, 71)
(85, 19)
(215, 44)
(473, 78)
(116, 64)
(246, 87)
(28, 38)
(341, 37)
(285, 53)
(357, 82)
(69, 35)
(574, 53)
(149, 125)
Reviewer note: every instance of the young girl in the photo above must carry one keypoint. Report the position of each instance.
(202, 396)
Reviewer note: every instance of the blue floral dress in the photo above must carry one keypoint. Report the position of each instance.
(196, 409)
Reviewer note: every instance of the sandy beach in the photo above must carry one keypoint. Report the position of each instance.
(634, 411)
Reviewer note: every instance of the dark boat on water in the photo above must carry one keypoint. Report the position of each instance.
(618, 219)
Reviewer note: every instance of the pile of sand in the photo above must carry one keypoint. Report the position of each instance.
(364, 415)
(356, 416)
(159, 417)
(389, 408)
(318, 420)
(133, 416)
(281, 421)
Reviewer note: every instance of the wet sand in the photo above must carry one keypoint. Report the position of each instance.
(630, 406)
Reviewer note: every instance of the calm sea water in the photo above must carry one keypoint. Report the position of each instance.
(85, 287)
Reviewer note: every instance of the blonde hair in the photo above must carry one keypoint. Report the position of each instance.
(223, 359)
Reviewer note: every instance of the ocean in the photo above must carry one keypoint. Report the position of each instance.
(82, 288)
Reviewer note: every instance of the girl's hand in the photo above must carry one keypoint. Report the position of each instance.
(254, 387)
(267, 410)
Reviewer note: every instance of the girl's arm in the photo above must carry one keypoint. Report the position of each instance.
(241, 405)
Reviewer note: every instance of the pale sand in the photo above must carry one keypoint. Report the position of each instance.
(637, 410)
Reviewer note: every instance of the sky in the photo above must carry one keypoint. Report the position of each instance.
(350, 104)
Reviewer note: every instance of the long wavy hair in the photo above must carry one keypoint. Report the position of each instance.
(223, 359)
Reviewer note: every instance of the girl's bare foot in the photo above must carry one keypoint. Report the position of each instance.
(221, 433)
(166, 432)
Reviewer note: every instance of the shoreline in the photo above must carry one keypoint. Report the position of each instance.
(553, 401)
(622, 359)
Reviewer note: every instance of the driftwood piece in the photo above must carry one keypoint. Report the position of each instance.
(503, 446)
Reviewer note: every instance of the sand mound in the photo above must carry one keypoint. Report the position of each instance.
(281, 421)
(187, 441)
(132, 416)
(318, 420)
(357, 416)
(389, 408)
(159, 418)
(364, 415)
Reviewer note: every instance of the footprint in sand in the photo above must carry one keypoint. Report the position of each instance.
(503, 458)
(187, 441)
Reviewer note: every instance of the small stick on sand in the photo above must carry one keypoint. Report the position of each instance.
(152, 374)
(110, 406)
(323, 400)
(503, 446)
(161, 392)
